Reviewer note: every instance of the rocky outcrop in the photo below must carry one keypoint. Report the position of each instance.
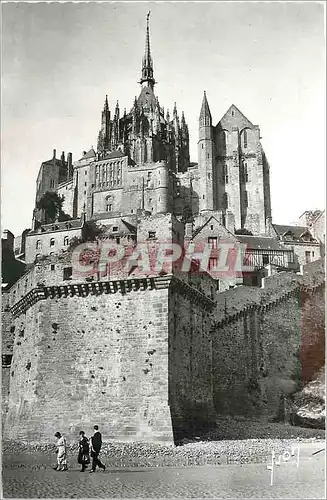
(309, 403)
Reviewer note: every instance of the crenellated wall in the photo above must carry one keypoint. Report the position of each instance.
(107, 364)
(153, 358)
(264, 341)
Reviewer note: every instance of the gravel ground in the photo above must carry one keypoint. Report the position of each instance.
(218, 447)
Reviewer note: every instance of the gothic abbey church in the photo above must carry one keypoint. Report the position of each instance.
(142, 168)
(156, 356)
(143, 163)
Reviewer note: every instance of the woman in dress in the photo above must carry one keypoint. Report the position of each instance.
(61, 453)
(83, 451)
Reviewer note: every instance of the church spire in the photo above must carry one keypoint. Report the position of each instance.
(147, 65)
(205, 115)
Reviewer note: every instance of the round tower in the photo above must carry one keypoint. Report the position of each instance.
(205, 158)
(162, 189)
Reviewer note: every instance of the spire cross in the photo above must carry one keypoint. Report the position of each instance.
(147, 68)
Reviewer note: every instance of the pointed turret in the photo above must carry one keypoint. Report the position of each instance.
(184, 127)
(106, 105)
(104, 134)
(205, 115)
(205, 158)
(175, 110)
(147, 65)
(117, 111)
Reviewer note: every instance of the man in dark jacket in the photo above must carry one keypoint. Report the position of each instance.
(96, 443)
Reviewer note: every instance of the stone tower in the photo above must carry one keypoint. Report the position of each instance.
(145, 134)
(243, 186)
(205, 158)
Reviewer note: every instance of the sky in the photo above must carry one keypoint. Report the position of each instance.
(59, 60)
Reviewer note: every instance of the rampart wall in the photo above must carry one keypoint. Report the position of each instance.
(92, 359)
(152, 358)
(265, 340)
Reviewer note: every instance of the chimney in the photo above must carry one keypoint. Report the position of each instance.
(230, 222)
(188, 230)
(7, 240)
(63, 158)
(69, 165)
(54, 154)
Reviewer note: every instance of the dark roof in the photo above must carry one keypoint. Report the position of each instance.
(113, 154)
(59, 226)
(199, 229)
(296, 231)
(89, 154)
(205, 110)
(147, 98)
(129, 226)
(55, 161)
(260, 242)
(238, 116)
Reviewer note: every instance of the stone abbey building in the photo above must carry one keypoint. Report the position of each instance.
(157, 355)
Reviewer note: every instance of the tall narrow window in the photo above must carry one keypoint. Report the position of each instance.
(52, 242)
(246, 202)
(226, 174)
(66, 241)
(213, 241)
(245, 138)
(38, 244)
(213, 263)
(265, 259)
(307, 257)
(109, 204)
(245, 172)
(68, 272)
(226, 200)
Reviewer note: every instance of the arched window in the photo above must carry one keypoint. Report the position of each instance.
(245, 138)
(38, 244)
(66, 241)
(52, 242)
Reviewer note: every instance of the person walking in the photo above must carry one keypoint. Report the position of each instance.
(83, 451)
(61, 453)
(96, 443)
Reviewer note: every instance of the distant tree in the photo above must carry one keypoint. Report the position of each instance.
(93, 231)
(52, 204)
(187, 214)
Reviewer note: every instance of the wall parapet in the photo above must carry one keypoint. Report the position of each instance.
(107, 287)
